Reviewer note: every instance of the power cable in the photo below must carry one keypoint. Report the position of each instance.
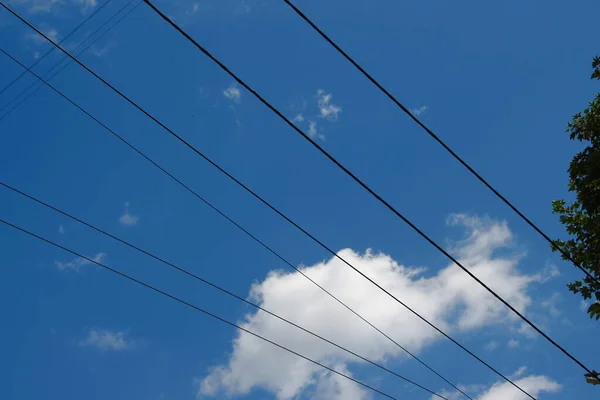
(70, 61)
(438, 139)
(263, 200)
(190, 305)
(5, 88)
(222, 214)
(215, 286)
(362, 184)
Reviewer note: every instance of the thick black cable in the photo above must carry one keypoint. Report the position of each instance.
(438, 139)
(30, 94)
(222, 214)
(258, 197)
(360, 182)
(179, 300)
(96, 11)
(214, 286)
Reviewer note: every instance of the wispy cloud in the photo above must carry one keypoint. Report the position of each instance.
(87, 5)
(313, 130)
(128, 219)
(233, 93)
(327, 109)
(513, 343)
(39, 39)
(77, 263)
(43, 6)
(61, 229)
(418, 111)
(584, 305)
(107, 340)
(101, 51)
(298, 118)
(492, 345)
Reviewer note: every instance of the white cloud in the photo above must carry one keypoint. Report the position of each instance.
(458, 305)
(333, 386)
(502, 390)
(519, 373)
(326, 108)
(533, 384)
(418, 111)
(492, 345)
(298, 118)
(43, 6)
(77, 263)
(128, 219)
(51, 33)
(101, 51)
(61, 229)
(513, 343)
(87, 4)
(550, 305)
(107, 340)
(233, 93)
(313, 131)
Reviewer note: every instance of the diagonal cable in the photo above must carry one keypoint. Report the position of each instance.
(364, 186)
(215, 286)
(438, 139)
(190, 305)
(15, 106)
(225, 216)
(263, 200)
(96, 11)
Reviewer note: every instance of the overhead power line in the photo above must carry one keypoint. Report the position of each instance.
(258, 197)
(65, 57)
(229, 219)
(96, 11)
(363, 185)
(217, 287)
(435, 137)
(192, 306)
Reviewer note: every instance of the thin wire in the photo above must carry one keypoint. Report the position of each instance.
(5, 88)
(222, 214)
(70, 61)
(438, 139)
(173, 297)
(260, 198)
(215, 286)
(360, 182)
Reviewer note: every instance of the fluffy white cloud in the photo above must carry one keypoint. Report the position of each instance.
(449, 299)
(107, 340)
(128, 219)
(233, 93)
(327, 109)
(77, 263)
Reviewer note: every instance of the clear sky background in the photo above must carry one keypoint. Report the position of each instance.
(497, 80)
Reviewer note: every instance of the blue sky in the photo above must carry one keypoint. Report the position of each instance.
(498, 81)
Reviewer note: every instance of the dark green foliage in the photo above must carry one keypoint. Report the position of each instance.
(582, 217)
